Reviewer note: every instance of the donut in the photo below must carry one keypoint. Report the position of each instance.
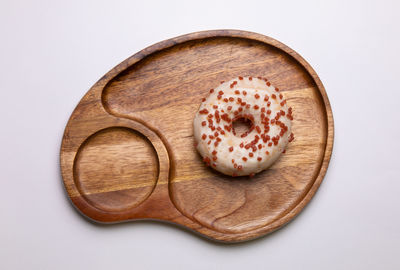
(249, 98)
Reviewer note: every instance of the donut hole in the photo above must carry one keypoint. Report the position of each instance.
(242, 126)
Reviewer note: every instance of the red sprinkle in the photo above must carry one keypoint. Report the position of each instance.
(266, 152)
(244, 158)
(229, 108)
(273, 96)
(256, 107)
(225, 100)
(211, 91)
(244, 93)
(257, 96)
(240, 167)
(203, 99)
(204, 136)
(241, 145)
(259, 158)
(215, 106)
(280, 96)
(203, 123)
(268, 84)
(251, 154)
(250, 78)
(231, 149)
(231, 99)
(291, 137)
(220, 93)
(240, 78)
(237, 92)
(276, 89)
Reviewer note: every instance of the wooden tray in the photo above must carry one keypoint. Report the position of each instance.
(127, 152)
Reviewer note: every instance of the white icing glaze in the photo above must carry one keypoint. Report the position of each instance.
(256, 100)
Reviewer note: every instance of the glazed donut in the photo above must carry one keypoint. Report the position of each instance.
(257, 149)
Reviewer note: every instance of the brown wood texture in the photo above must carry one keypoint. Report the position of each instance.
(127, 151)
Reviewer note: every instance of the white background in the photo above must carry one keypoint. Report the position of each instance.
(52, 52)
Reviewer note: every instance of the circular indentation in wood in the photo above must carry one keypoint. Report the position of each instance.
(116, 169)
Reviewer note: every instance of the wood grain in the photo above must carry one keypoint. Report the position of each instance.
(127, 152)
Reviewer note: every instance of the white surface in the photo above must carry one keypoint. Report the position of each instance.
(52, 52)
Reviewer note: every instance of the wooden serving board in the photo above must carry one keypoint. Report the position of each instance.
(127, 152)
